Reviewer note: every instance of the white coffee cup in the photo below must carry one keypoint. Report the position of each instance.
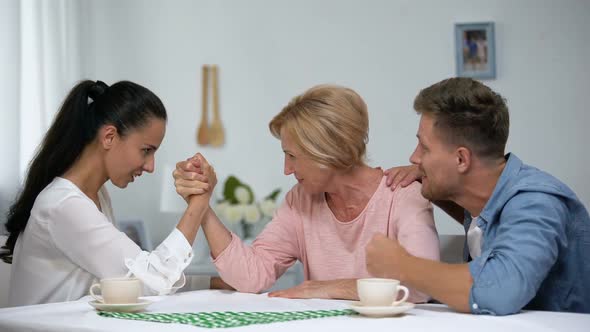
(118, 290)
(380, 292)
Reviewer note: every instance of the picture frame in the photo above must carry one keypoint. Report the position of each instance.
(135, 229)
(475, 50)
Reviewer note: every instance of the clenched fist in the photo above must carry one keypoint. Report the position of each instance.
(384, 257)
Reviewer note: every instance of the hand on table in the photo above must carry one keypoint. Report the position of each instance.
(320, 289)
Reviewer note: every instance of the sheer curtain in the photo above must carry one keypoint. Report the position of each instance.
(9, 96)
(40, 61)
(49, 66)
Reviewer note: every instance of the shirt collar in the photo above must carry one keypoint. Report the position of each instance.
(500, 194)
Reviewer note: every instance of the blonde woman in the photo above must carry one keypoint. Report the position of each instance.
(333, 212)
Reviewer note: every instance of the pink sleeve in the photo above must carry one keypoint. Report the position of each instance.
(255, 268)
(416, 231)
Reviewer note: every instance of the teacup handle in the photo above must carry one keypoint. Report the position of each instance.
(406, 294)
(98, 298)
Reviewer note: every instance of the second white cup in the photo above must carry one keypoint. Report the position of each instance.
(118, 290)
(380, 291)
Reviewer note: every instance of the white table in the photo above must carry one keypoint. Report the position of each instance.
(80, 316)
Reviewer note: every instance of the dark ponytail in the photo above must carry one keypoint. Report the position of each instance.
(88, 107)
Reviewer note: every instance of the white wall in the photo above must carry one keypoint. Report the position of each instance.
(269, 51)
(9, 92)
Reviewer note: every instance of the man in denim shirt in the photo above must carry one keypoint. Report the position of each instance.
(528, 235)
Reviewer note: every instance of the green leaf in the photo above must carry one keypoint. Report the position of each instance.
(273, 195)
(229, 189)
(231, 183)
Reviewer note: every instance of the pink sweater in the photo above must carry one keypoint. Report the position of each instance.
(304, 228)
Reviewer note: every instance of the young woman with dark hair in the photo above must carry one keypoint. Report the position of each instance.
(61, 228)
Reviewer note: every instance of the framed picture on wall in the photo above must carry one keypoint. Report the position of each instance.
(136, 231)
(475, 50)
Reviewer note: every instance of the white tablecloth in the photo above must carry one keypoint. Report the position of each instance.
(80, 316)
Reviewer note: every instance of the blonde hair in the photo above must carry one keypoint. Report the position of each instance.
(329, 123)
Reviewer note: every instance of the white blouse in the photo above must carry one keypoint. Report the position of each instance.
(69, 243)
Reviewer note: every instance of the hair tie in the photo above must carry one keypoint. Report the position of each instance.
(97, 89)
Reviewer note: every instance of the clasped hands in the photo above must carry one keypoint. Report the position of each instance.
(194, 177)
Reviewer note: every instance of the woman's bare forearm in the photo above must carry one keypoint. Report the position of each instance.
(193, 217)
(218, 236)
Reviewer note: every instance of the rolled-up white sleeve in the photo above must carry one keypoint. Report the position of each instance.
(161, 269)
(90, 240)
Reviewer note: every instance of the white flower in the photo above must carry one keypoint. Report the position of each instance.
(251, 213)
(221, 208)
(233, 214)
(268, 207)
(242, 195)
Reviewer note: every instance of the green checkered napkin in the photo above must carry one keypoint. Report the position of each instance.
(227, 318)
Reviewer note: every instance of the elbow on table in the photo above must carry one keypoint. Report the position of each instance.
(252, 287)
(498, 303)
(249, 289)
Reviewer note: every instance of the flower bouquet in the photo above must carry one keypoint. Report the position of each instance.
(239, 206)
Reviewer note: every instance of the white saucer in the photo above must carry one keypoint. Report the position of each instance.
(122, 307)
(381, 311)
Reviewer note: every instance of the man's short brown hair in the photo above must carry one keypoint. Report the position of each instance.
(467, 113)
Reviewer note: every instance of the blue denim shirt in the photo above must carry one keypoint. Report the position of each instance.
(536, 246)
